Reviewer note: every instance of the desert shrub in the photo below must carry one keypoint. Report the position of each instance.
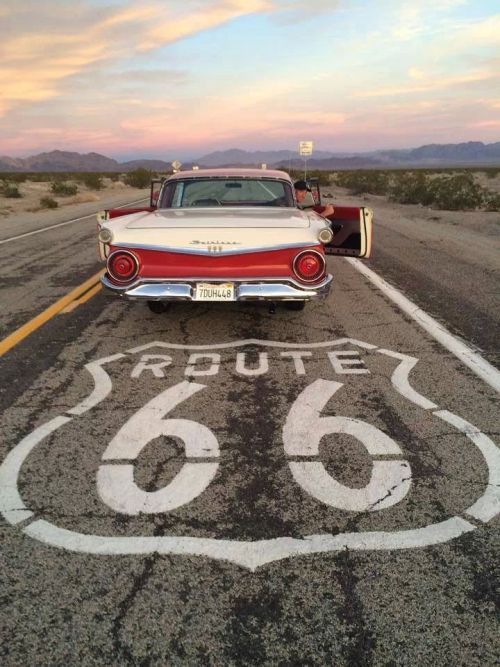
(323, 177)
(491, 201)
(40, 177)
(456, 193)
(48, 202)
(11, 191)
(63, 189)
(411, 187)
(491, 172)
(14, 176)
(18, 177)
(138, 178)
(92, 181)
(359, 182)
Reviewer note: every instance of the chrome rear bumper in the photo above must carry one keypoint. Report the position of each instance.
(262, 289)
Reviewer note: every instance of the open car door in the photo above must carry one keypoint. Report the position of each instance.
(351, 226)
(154, 193)
(352, 231)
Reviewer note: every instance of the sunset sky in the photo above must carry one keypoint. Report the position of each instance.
(160, 78)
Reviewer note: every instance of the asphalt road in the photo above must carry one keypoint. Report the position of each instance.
(447, 262)
(329, 498)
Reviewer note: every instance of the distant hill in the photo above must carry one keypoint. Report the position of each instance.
(432, 155)
(470, 152)
(70, 161)
(237, 157)
(153, 165)
(332, 163)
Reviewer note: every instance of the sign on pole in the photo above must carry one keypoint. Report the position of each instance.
(306, 148)
(176, 165)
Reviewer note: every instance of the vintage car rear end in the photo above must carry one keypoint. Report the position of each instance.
(218, 235)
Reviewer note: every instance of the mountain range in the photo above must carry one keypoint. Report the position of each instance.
(432, 155)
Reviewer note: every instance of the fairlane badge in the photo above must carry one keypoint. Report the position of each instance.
(215, 243)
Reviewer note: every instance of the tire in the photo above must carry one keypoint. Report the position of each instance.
(157, 307)
(295, 305)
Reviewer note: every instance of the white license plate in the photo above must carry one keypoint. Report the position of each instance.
(214, 292)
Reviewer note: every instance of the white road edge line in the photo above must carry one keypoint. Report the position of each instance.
(467, 355)
(62, 224)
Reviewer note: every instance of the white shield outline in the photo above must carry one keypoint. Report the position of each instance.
(254, 554)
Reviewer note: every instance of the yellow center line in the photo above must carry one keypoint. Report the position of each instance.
(79, 292)
(83, 299)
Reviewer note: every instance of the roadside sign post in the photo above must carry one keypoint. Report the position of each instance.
(176, 165)
(306, 150)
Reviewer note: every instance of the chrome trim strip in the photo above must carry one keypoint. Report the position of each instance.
(210, 253)
(226, 279)
(183, 289)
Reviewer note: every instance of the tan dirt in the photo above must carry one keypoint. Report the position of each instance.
(33, 192)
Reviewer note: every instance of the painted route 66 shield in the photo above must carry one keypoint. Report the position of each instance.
(251, 452)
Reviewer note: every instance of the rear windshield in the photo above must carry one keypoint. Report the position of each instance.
(215, 192)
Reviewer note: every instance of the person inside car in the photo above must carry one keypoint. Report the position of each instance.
(301, 192)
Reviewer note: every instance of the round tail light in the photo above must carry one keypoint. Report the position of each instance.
(122, 266)
(309, 266)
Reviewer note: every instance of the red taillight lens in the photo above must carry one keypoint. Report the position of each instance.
(309, 266)
(122, 266)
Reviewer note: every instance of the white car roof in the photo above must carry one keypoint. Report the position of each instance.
(232, 172)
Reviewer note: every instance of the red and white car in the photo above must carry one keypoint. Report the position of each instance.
(227, 235)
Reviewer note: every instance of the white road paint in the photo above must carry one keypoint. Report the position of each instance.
(152, 362)
(67, 222)
(119, 491)
(304, 426)
(254, 341)
(102, 385)
(343, 364)
(388, 485)
(259, 369)
(488, 506)
(115, 483)
(247, 554)
(467, 356)
(297, 357)
(302, 433)
(150, 423)
(400, 379)
(193, 368)
(11, 504)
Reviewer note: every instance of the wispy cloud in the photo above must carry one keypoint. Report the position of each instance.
(33, 64)
(423, 83)
(295, 11)
(170, 28)
(142, 74)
